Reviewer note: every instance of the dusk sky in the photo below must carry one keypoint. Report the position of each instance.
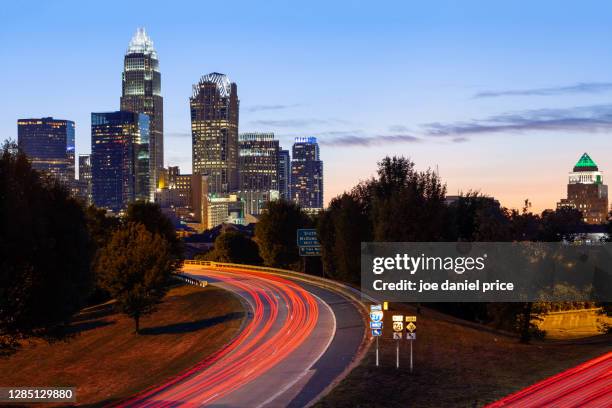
(500, 98)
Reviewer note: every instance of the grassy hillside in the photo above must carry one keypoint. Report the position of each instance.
(106, 360)
(457, 364)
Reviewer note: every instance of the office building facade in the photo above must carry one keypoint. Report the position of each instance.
(214, 129)
(141, 93)
(49, 145)
(258, 176)
(284, 174)
(586, 192)
(120, 159)
(307, 174)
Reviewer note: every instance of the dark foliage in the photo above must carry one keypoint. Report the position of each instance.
(45, 252)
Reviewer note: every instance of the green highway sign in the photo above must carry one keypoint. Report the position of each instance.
(307, 237)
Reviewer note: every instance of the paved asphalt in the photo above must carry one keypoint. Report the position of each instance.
(297, 339)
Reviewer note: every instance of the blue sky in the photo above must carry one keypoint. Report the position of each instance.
(502, 98)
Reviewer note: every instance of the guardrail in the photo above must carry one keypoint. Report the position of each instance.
(190, 280)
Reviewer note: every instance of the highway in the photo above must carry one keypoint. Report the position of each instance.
(588, 385)
(297, 339)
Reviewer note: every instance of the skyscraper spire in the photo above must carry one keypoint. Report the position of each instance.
(141, 43)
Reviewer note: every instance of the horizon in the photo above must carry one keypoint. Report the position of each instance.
(367, 83)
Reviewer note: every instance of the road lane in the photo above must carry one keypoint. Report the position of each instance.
(282, 357)
(587, 385)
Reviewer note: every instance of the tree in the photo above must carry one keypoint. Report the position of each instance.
(407, 205)
(276, 233)
(234, 247)
(341, 229)
(156, 222)
(45, 252)
(135, 267)
(100, 225)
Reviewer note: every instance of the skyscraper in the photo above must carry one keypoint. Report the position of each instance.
(120, 159)
(284, 174)
(258, 164)
(307, 174)
(85, 178)
(49, 144)
(214, 132)
(141, 93)
(586, 192)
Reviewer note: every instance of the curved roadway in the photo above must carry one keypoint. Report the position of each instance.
(298, 339)
(587, 385)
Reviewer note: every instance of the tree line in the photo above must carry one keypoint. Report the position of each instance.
(57, 255)
(401, 204)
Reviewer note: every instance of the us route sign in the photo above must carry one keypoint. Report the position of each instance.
(398, 326)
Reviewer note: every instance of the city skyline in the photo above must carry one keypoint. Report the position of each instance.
(491, 134)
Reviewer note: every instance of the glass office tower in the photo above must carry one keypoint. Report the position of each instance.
(307, 174)
(141, 93)
(258, 163)
(49, 144)
(120, 159)
(214, 132)
(284, 174)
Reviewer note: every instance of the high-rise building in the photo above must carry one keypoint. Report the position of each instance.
(49, 144)
(586, 192)
(120, 159)
(307, 174)
(84, 184)
(141, 93)
(284, 174)
(258, 164)
(214, 131)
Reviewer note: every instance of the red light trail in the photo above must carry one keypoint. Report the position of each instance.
(588, 385)
(253, 352)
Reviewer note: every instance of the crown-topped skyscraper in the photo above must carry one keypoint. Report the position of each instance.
(141, 93)
(586, 192)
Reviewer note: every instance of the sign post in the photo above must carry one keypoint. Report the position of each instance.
(411, 334)
(398, 328)
(376, 324)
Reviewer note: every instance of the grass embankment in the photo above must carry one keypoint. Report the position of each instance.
(107, 361)
(457, 364)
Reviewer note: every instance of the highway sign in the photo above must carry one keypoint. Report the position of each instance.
(397, 336)
(410, 336)
(310, 251)
(376, 316)
(376, 325)
(375, 307)
(376, 332)
(307, 238)
(397, 318)
(411, 327)
(410, 318)
(398, 326)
